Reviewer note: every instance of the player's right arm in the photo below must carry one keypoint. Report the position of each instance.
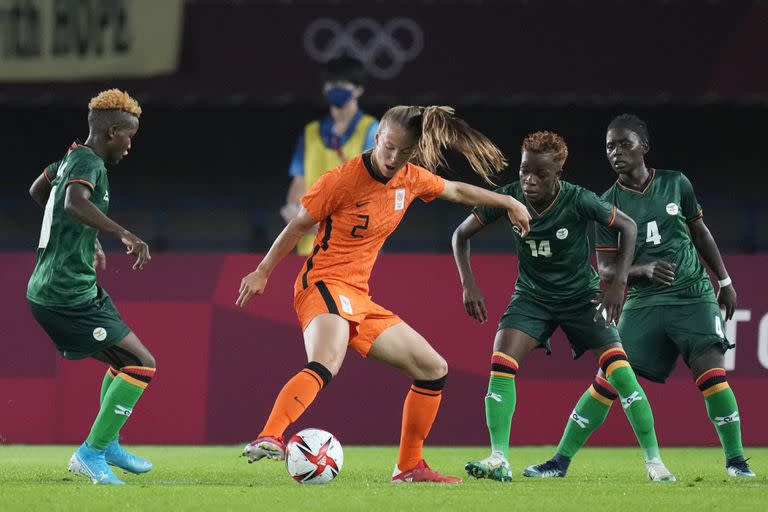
(255, 282)
(77, 203)
(474, 301)
(41, 188)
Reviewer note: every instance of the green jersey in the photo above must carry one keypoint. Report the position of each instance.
(662, 211)
(64, 273)
(553, 260)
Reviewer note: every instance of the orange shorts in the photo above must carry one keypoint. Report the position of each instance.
(366, 318)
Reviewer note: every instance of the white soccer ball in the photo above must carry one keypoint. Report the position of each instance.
(313, 456)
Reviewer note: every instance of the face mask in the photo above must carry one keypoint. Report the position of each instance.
(338, 96)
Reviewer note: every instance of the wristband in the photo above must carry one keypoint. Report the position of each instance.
(724, 282)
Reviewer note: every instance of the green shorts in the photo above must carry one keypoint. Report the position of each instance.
(654, 336)
(83, 330)
(539, 320)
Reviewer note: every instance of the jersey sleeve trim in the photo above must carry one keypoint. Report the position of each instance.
(47, 176)
(84, 182)
(698, 215)
(478, 217)
(613, 216)
(606, 248)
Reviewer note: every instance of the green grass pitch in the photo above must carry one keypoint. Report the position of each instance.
(216, 478)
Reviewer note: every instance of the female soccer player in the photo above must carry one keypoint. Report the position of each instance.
(671, 307)
(358, 205)
(77, 314)
(556, 286)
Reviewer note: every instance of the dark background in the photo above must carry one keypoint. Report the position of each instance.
(208, 170)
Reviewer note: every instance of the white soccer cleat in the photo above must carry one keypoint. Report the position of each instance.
(266, 446)
(658, 472)
(494, 467)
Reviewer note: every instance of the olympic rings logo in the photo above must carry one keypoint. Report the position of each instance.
(383, 49)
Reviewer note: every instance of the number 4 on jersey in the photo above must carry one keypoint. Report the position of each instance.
(542, 250)
(652, 233)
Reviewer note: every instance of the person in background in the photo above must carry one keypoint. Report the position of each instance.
(345, 132)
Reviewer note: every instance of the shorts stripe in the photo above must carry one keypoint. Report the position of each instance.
(327, 298)
(322, 245)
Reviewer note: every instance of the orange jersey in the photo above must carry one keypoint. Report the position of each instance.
(357, 211)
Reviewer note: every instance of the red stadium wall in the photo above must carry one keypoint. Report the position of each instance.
(219, 368)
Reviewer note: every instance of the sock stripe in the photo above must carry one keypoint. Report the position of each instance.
(323, 372)
(431, 385)
(502, 358)
(709, 374)
(599, 396)
(607, 392)
(715, 389)
(315, 376)
(427, 392)
(132, 380)
(503, 365)
(113, 371)
(613, 359)
(606, 385)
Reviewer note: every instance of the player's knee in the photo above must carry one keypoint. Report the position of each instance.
(436, 369)
(148, 361)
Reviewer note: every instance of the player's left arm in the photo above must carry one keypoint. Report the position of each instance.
(41, 189)
(707, 248)
(612, 298)
(464, 193)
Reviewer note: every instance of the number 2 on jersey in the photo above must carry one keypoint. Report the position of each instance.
(542, 250)
(652, 233)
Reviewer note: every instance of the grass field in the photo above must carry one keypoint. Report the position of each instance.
(216, 478)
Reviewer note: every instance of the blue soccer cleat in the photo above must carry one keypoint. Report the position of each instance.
(90, 463)
(739, 468)
(546, 470)
(116, 456)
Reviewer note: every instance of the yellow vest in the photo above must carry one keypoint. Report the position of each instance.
(319, 158)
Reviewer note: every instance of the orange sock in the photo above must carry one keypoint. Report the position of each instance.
(295, 397)
(419, 412)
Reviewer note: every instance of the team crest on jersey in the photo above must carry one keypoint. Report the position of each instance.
(562, 233)
(517, 230)
(346, 304)
(399, 199)
(99, 334)
(672, 209)
(106, 195)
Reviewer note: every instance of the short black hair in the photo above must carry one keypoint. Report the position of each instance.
(347, 69)
(632, 123)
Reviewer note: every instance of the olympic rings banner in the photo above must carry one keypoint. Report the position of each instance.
(213, 385)
(272, 51)
(53, 40)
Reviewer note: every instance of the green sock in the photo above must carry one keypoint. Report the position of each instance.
(722, 410)
(500, 401)
(590, 412)
(499, 408)
(109, 377)
(636, 407)
(117, 404)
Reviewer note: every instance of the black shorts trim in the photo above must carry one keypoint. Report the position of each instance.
(325, 293)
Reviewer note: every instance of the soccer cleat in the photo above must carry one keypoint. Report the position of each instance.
(658, 472)
(116, 456)
(265, 446)
(494, 467)
(421, 472)
(740, 469)
(549, 469)
(91, 463)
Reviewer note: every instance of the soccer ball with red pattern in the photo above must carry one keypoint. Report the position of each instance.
(313, 456)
